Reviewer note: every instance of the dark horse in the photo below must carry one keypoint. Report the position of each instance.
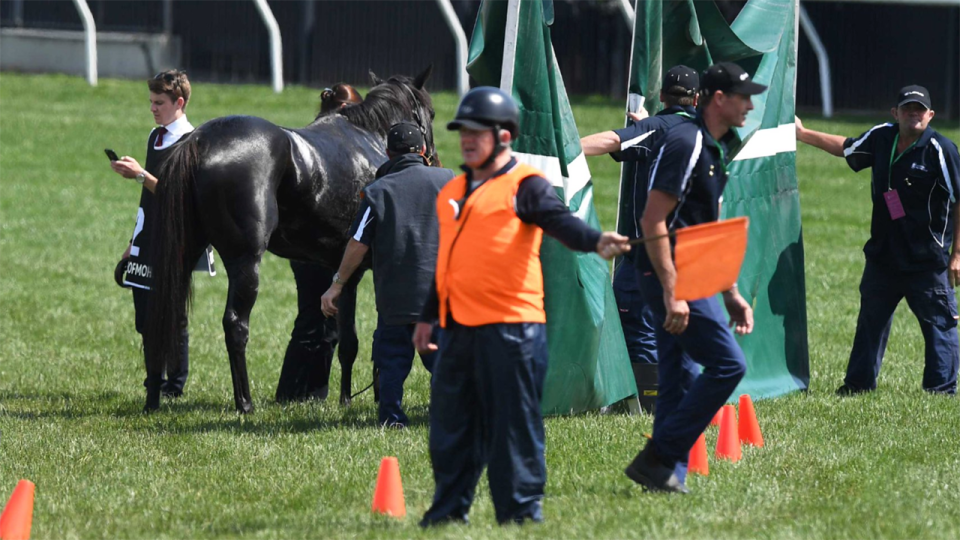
(247, 186)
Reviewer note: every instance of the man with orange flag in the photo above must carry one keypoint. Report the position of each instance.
(685, 188)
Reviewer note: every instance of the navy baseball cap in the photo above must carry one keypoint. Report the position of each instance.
(730, 79)
(681, 77)
(914, 94)
(404, 138)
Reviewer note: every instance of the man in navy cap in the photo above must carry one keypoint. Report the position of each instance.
(634, 144)
(912, 250)
(684, 188)
(397, 219)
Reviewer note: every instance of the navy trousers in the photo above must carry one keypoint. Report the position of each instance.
(684, 406)
(485, 412)
(306, 364)
(171, 383)
(931, 299)
(636, 317)
(393, 355)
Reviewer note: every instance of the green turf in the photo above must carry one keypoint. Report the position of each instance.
(877, 466)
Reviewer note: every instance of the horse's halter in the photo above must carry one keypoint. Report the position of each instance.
(419, 120)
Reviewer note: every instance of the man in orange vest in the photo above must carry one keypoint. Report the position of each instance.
(488, 298)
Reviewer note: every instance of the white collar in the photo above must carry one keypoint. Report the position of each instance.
(179, 127)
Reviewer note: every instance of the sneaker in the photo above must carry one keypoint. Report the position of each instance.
(647, 470)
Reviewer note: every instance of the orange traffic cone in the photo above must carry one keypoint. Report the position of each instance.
(18, 513)
(717, 417)
(749, 427)
(697, 462)
(388, 495)
(728, 442)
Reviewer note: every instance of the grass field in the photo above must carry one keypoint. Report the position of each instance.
(878, 466)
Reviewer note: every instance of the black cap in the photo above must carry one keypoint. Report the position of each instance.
(730, 79)
(404, 138)
(486, 107)
(914, 94)
(684, 77)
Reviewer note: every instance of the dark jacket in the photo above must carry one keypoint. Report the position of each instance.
(406, 236)
(925, 178)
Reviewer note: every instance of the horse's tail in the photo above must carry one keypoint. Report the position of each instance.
(175, 240)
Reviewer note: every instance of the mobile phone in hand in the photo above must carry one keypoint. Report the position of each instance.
(111, 154)
(634, 102)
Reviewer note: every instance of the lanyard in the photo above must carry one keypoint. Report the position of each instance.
(893, 152)
(723, 156)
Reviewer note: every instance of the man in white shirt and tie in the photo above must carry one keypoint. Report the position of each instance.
(169, 94)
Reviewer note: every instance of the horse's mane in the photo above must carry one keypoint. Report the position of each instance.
(385, 104)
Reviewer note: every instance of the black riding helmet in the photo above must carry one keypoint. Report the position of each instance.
(486, 107)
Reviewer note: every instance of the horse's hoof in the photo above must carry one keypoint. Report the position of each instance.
(245, 408)
(345, 401)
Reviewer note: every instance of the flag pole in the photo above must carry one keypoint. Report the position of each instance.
(510, 32)
(636, 241)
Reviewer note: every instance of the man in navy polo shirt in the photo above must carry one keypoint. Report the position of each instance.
(397, 222)
(916, 180)
(685, 188)
(635, 143)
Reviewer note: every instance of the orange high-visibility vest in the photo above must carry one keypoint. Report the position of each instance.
(488, 266)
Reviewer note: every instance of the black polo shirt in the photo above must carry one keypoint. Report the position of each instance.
(692, 166)
(926, 178)
(637, 143)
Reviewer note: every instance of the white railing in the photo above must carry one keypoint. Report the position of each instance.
(460, 38)
(823, 61)
(276, 45)
(89, 39)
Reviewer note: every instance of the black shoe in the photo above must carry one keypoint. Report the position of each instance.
(647, 470)
(426, 522)
(845, 390)
(172, 394)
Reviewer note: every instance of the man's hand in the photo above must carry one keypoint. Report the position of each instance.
(953, 269)
(678, 314)
(126, 167)
(612, 244)
(796, 120)
(328, 302)
(639, 115)
(422, 334)
(741, 314)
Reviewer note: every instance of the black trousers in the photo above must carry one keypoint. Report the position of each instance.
(485, 412)
(172, 383)
(306, 364)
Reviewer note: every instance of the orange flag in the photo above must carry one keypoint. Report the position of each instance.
(708, 257)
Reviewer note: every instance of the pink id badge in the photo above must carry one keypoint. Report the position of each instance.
(893, 204)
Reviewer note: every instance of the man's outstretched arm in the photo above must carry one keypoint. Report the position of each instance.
(831, 144)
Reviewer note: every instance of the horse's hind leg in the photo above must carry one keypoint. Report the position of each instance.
(244, 277)
(349, 344)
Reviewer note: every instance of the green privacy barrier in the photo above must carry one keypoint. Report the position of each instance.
(589, 367)
(763, 180)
